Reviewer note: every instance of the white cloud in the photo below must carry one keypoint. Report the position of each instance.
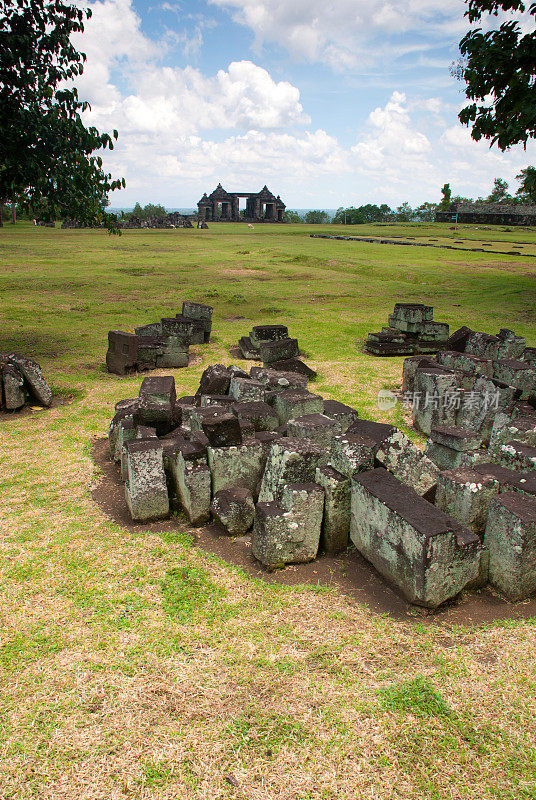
(348, 33)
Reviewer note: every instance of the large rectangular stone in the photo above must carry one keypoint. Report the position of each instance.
(336, 520)
(14, 395)
(289, 461)
(35, 380)
(237, 466)
(289, 532)
(193, 486)
(518, 456)
(201, 312)
(316, 427)
(293, 403)
(122, 355)
(261, 415)
(518, 374)
(246, 389)
(278, 350)
(465, 362)
(146, 489)
(352, 452)
(466, 495)
(511, 540)
(341, 413)
(428, 555)
(407, 462)
(260, 334)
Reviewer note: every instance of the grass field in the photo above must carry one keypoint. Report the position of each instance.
(135, 664)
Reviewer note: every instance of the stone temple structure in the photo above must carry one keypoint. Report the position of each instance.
(223, 206)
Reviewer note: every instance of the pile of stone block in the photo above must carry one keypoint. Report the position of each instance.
(476, 401)
(258, 452)
(160, 344)
(272, 345)
(22, 382)
(411, 331)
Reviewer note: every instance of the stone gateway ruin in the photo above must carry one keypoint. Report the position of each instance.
(223, 206)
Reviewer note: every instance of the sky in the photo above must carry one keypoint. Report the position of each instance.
(329, 102)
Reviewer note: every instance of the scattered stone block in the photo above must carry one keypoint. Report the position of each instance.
(223, 430)
(407, 463)
(316, 427)
(198, 416)
(466, 495)
(435, 398)
(336, 520)
(193, 486)
(409, 368)
(34, 378)
(278, 350)
(447, 458)
(260, 334)
(289, 461)
(341, 413)
(248, 351)
(278, 381)
(214, 380)
(122, 354)
(237, 466)
(122, 413)
(294, 365)
(289, 533)
(522, 429)
(237, 372)
(124, 432)
(247, 389)
(352, 452)
(234, 510)
(146, 489)
(458, 339)
(426, 554)
(178, 328)
(13, 388)
(152, 329)
(511, 346)
(456, 438)
(195, 326)
(434, 332)
(483, 344)
(518, 456)
(465, 362)
(293, 403)
(201, 312)
(518, 374)
(261, 415)
(510, 537)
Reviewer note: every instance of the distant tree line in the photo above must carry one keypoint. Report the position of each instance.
(145, 213)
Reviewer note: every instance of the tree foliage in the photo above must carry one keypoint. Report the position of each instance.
(446, 197)
(316, 217)
(145, 213)
(499, 68)
(46, 152)
(362, 214)
(527, 189)
(499, 191)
